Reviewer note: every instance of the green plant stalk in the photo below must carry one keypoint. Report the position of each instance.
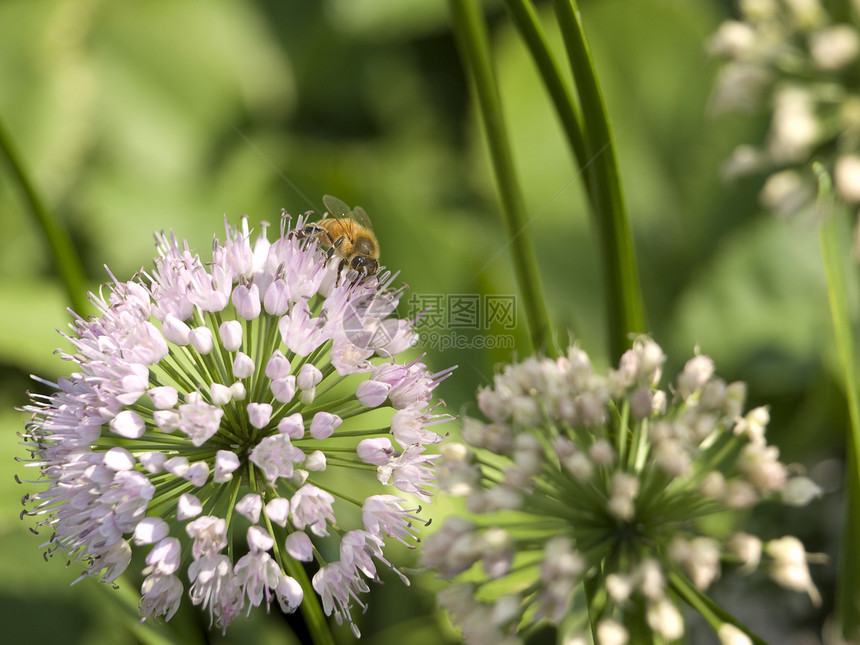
(595, 601)
(66, 258)
(525, 19)
(472, 36)
(848, 593)
(311, 611)
(636, 622)
(625, 306)
(710, 611)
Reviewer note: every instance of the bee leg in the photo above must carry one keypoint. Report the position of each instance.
(340, 268)
(306, 231)
(323, 233)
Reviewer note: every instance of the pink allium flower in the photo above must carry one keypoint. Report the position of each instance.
(206, 398)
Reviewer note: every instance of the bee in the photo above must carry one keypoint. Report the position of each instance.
(347, 235)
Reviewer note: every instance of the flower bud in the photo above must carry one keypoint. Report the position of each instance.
(231, 335)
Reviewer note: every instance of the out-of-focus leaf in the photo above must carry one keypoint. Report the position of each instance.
(388, 19)
(763, 289)
(33, 311)
(132, 110)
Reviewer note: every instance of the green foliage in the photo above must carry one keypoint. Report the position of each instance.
(137, 117)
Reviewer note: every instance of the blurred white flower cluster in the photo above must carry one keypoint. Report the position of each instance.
(580, 480)
(800, 63)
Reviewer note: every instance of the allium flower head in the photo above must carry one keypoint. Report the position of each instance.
(578, 476)
(206, 404)
(792, 59)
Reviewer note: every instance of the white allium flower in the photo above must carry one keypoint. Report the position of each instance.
(731, 635)
(206, 398)
(789, 567)
(747, 548)
(665, 619)
(733, 38)
(846, 176)
(786, 192)
(615, 505)
(834, 47)
(610, 632)
(800, 491)
(795, 61)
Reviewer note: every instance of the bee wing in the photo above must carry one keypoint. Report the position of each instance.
(361, 217)
(345, 226)
(335, 206)
(345, 217)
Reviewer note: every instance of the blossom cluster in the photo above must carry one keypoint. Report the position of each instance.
(602, 481)
(792, 58)
(207, 404)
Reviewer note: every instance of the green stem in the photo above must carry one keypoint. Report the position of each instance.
(311, 609)
(66, 258)
(848, 588)
(595, 601)
(636, 622)
(525, 18)
(625, 306)
(471, 33)
(314, 619)
(847, 592)
(710, 611)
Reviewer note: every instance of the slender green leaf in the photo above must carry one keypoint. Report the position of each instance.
(66, 258)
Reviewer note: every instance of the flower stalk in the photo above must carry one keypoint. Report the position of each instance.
(472, 36)
(526, 21)
(834, 257)
(626, 311)
(715, 615)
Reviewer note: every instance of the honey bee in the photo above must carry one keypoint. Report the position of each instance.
(347, 235)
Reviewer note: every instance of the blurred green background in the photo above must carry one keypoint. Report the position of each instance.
(171, 114)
